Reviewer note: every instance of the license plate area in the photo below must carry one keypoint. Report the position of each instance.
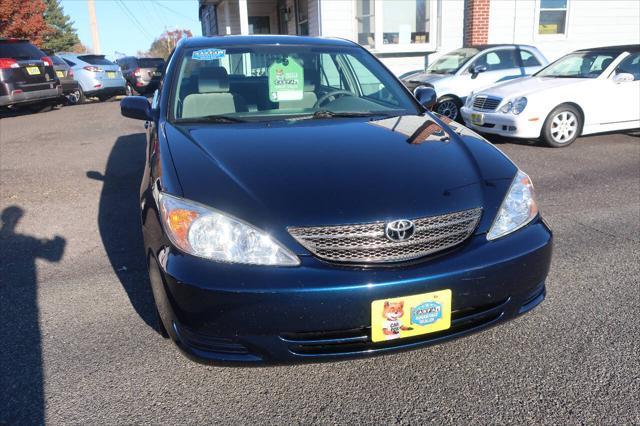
(33, 70)
(477, 118)
(408, 316)
(60, 74)
(111, 74)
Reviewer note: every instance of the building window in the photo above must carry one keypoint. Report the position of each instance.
(366, 24)
(405, 21)
(302, 8)
(553, 17)
(259, 25)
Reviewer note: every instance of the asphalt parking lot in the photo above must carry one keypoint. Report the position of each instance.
(77, 336)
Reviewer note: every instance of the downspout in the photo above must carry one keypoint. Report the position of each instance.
(319, 19)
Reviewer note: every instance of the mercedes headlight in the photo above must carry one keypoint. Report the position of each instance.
(518, 208)
(506, 107)
(519, 105)
(204, 232)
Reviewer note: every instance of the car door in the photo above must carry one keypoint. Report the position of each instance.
(500, 64)
(624, 94)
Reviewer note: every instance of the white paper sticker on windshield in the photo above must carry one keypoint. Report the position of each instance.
(208, 54)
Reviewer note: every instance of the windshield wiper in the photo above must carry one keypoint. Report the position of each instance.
(323, 113)
(215, 118)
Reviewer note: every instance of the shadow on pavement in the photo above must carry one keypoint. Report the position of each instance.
(21, 374)
(119, 221)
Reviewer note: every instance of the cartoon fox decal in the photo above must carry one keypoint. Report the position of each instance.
(392, 312)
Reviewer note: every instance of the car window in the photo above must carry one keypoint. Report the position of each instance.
(330, 76)
(579, 65)
(19, 50)
(497, 60)
(452, 61)
(150, 62)
(528, 59)
(57, 60)
(630, 65)
(95, 60)
(370, 85)
(264, 82)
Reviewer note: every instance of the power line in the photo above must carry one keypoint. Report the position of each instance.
(131, 16)
(174, 11)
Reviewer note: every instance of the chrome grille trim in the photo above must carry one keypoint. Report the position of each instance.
(367, 243)
(486, 103)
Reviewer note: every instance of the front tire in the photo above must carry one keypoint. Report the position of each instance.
(562, 126)
(449, 107)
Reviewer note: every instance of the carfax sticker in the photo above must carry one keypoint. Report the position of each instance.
(286, 81)
(208, 54)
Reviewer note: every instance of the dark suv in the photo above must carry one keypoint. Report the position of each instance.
(142, 74)
(27, 76)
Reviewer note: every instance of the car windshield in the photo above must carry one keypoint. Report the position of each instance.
(452, 61)
(150, 62)
(579, 65)
(275, 82)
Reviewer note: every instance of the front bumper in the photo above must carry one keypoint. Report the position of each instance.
(32, 97)
(233, 313)
(510, 125)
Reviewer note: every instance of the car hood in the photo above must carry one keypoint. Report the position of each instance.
(426, 78)
(527, 86)
(334, 171)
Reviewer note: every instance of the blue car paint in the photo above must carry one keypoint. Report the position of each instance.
(321, 172)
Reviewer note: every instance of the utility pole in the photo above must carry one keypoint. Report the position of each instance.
(93, 23)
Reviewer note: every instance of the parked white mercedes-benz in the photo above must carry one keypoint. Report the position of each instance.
(584, 92)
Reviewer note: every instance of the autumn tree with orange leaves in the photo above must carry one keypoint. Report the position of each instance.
(23, 19)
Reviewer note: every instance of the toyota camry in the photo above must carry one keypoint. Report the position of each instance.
(299, 203)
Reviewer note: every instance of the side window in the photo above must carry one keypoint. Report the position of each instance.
(498, 60)
(630, 65)
(70, 63)
(329, 74)
(528, 60)
(370, 85)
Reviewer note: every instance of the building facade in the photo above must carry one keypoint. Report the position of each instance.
(408, 34)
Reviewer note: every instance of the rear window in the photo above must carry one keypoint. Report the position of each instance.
(95, 60)
(57, 60)
(19, 50)
(150, 62)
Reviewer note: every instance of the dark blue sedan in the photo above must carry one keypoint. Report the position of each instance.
(298, 203)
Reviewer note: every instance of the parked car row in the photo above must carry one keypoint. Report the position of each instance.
(509, 90)
(33, 79)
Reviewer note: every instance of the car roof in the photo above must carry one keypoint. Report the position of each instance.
(491, 46)
(618, 49)
(237, 40)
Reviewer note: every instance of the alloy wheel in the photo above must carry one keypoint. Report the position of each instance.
(564, 126)
(448, 108)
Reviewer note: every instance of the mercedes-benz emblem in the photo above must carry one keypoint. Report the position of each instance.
(399, 230)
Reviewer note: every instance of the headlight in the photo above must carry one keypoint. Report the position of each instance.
(506, 107)
(204, 232)
(469, 100)
(519, 105)
(518, 208)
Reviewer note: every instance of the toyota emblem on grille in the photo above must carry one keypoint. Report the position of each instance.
(399, 230)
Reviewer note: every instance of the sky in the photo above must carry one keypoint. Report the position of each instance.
(118, 29)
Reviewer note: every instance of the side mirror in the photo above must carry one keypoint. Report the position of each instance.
(477, 69)
(623, 77)
(426, 96)
(136, 107)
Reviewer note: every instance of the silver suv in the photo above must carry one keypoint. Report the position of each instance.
(98, 76)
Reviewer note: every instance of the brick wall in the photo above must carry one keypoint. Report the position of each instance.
(476, 22)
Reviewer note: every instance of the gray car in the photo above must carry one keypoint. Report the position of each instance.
(98, 77)
(458, 73)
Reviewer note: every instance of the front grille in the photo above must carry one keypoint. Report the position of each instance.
(367, 243)
(486, 103)
(344, 342)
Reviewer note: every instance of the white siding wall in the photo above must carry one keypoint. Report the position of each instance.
(314, 24)
(228, 16)
(590, 24)
(338, 18)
